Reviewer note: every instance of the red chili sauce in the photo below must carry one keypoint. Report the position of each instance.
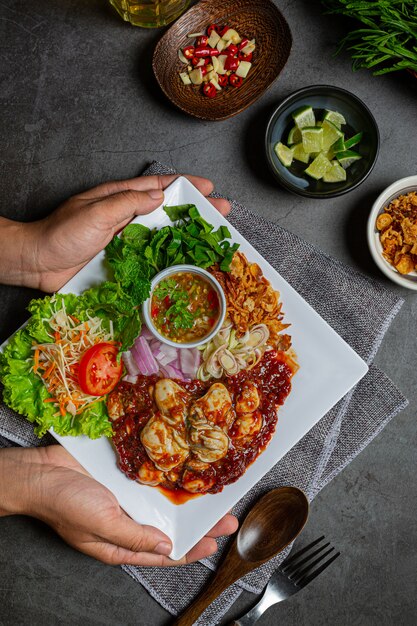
(272, 377)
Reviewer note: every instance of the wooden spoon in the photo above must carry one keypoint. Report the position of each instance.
(274, 522)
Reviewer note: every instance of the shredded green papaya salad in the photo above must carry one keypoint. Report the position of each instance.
(59, 368)
(39, 366)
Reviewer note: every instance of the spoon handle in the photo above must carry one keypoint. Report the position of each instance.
(230, 571)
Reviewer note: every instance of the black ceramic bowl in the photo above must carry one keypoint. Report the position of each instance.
(358, 118)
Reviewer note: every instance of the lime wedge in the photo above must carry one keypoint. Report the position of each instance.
(347, 157)
(284, 153)
(331, 134)
(335, 173)
(353, 141)
(318, 167)
(294, 136)
(338, 146)
(304, 117)
(335, 118)
(312, 138)
(300, 154)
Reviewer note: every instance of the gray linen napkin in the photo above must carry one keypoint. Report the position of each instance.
(360, 310)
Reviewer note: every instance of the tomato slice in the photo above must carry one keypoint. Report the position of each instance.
(99, 371)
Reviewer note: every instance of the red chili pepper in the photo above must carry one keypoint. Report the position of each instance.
(202, 41)
(203, 69)
(209, 90)
(167, 301)
(206, 52)
(232, 49)
(235, 80)
(224, 30)
(243, 43)
(211, 28)
(231, 63)
(188, 52)
(155, 311)
(195, 61)
(212, 321)
(222, 80)
(245, 57)
(202, 51)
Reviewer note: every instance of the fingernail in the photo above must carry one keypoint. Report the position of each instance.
(163, 548)
(156, 194)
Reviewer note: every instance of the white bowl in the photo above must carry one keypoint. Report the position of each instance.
(194, 270)
(399, 188)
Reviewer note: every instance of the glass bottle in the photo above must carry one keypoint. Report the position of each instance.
(150, 13)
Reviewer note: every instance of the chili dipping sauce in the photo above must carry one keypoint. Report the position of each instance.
(184, 307)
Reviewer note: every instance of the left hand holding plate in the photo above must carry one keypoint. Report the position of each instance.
(58, 246)
(50, 485)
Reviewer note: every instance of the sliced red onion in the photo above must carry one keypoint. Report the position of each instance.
(189, 362)
(130, 363)
(173, 372)
(144, 357)
(147, 333)
(130, 379)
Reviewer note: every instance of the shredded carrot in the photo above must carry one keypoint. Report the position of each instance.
(57, 361)
(36, 359)
(91, 403)
(49, 370)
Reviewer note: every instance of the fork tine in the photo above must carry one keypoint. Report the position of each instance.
(290, 559)
(308, 578)
(299, 574)
(289, 569)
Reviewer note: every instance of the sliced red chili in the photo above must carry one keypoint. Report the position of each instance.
(224, 30)
(155, 311)
(232, 49)
(245, 57)
(243, 44)
(235, 80)
(222, 80)
(202, 51)
(202, 41)
(188, 52)
(195, 61)
(203, 70)
(231, 63)
(209, 90)
(211, 28)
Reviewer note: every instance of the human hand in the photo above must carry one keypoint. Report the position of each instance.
(58, 491)
(62, 243)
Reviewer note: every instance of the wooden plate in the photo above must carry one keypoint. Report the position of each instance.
(259, 19)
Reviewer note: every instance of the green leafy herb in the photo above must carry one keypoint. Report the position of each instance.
(177, 313)
(388, 41)
(131, 270)
(140, 253)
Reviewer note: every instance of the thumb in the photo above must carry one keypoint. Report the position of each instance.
(136, 537)
(123, 206)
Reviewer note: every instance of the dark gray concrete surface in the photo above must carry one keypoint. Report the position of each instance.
(79, 105)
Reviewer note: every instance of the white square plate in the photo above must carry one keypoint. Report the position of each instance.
(329, 368)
